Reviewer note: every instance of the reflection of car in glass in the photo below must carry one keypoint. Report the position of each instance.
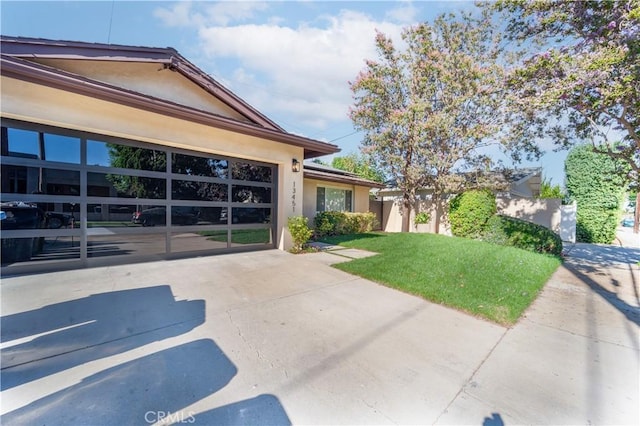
(55, 220)
(627, 222)
(249, 215)
(21, 216)
(157, 216)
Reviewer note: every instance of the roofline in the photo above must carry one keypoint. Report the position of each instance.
(39, 74)
(31, 48)
(339, 178)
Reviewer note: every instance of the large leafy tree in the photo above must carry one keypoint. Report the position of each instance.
(580, 79)
(428, 107)
(360, 165)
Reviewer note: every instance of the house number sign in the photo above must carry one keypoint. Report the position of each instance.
(293, 197)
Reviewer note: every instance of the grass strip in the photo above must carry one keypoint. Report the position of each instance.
(488, 280)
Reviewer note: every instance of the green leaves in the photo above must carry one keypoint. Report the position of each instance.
(425, 109)
(594, 180)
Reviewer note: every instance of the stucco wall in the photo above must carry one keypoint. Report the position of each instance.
(34, 103)
(545, 212)
(149, 79)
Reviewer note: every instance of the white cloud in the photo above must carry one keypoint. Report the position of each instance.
(183, 13)
(306, 69)
(405, 14)
(179, 15)
(223, 13)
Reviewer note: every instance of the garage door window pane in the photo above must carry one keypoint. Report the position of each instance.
(60, 148)
(198, 191)
(38, 180)
(124, 156)
(250, 194)
(199, 166)
(124, 186)
(250, 215)
(241, 237)
(251, 172)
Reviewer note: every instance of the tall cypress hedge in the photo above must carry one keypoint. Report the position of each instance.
(597, 183)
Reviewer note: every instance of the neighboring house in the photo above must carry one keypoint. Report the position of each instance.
(327, 188)
(516, 196)
(150, 157)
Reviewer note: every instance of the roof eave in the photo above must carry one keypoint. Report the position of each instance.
(35, 73)
(34, 48)
(312, 174)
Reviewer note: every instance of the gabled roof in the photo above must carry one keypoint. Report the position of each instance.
(18, 56)
(330, 174)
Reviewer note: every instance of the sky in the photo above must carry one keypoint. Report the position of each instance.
(291, 60)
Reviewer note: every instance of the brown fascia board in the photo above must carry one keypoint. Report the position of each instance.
(51, 77)
(330, 177)
(31, 48)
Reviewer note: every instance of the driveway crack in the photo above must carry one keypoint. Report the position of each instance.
(470, 379)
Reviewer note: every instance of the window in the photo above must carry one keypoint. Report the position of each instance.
(332, 199)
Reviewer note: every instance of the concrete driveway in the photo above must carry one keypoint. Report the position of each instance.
(273, 338)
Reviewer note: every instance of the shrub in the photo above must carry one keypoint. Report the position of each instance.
(358, 223)
(597, 182)
(470, 211)
(328, 223)
(596, 225)
(300, 232)
(518, 233)
(341, 223)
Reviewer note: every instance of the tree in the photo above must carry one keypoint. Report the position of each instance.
(596, 181)
(584, 78)
(426, 109)
(358, 165)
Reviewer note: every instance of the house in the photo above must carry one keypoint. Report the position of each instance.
(327, 188)
(141, 155)
(517, 193)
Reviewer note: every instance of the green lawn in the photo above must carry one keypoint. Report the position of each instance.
(494, 282)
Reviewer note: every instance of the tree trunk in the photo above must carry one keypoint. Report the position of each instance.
(637, 215)
(406, 216)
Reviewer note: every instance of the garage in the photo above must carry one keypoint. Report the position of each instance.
(118, 154)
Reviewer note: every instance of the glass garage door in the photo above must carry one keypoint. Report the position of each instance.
(73, 199)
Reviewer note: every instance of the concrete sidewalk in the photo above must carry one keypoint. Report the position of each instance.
(574, 357)
(273, 338)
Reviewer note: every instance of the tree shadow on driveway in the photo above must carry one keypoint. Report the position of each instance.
(600, 266)
(64, 335)
(141, 391)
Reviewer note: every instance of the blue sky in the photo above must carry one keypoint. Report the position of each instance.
(292, 60)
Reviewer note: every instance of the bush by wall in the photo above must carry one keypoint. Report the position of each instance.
(300, 232)
(470, 211)
(342, 223)
(509, 231)
(597, 182)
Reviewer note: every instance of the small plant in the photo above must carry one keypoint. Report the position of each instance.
(422, 218)
(300, 232)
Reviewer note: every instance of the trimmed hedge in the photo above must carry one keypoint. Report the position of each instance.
(342, 223)
(470, 211)
(597, 182)
(509, 231)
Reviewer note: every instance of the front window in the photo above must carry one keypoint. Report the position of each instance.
(333, 199)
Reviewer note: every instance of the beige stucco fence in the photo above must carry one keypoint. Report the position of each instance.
(548, 212)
